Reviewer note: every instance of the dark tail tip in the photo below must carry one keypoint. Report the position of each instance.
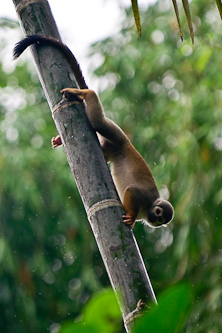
(17, 50)
(24, 43)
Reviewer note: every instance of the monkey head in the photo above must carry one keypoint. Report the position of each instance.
(161, 213)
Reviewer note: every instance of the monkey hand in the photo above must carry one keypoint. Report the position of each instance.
(72, 94)
(56, 141)
(128, 220)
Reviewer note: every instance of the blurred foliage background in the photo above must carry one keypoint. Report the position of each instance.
(167, 96)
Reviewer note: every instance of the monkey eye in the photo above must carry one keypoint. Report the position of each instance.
(152, 217)
(158, 211)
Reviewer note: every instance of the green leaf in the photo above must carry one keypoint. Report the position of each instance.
(101, 314)
(203, 58)
(103, 311)
(178, 18)
(136, 15)
(79, 327)
(170, 314)
(188, 16)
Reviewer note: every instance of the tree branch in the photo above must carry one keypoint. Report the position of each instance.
(116, 242)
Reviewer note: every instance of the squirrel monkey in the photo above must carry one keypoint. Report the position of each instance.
(131, 174)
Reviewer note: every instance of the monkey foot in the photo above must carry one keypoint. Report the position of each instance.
(56, 141)
(141, 304)
(72, 94)
(127, 219)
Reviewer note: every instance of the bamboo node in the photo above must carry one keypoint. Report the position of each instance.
(102, 205)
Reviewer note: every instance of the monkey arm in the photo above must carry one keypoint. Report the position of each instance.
(101, 124)
(131, 205)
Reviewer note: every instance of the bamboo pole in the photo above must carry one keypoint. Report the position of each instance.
(115, 241)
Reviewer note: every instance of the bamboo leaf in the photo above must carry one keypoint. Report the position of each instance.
(175, 300)
(136, 15)
(188, 16)
(178, 18)
(219, 5)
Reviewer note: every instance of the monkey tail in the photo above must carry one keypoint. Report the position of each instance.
(48, 40)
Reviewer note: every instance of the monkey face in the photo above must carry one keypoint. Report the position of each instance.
(161, 213)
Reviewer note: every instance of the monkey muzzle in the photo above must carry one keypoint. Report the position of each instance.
(155, 217)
